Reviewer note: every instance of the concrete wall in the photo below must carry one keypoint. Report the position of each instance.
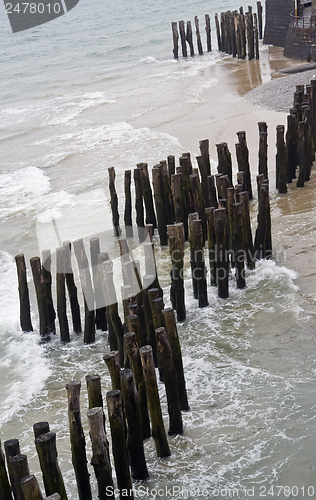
(277, 21)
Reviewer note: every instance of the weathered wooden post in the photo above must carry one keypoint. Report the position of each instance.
(188, 38)
(134, 441)
(112, 306)
(176, 247)
(242, 153)
(259, 12)
(199, 203)
(88, 295)
(198, 35)
(19, 469)
(183, 40)
(193, 216)
(186, 171)
(301, 154)
(208, 35)
(250, 37)
(116, 418)
(159, 203)
(5, 488)
(11, 449)
(211, 244)
(139, 206)
(47, 453)
(212, 191)
(112, 362)
(224, 160)
(97, 275)
(94, 391)
(40, 428)
(171, 382)
(249, 248)
(166, 192)
(47, 277)
(200, 269)
(100, 453)
(175, 36)
(281, 160)
(260, 179)
(218, 34)
(72, 290)
(263, 244)
(114, 202)
(239, 246)
(158, 429)
(78, 442)
(171, 160)
(263, 149)
(128, 204)
(30, 488)
(222, 263)
(147, 195)
(25, 309)
(40, 296)
(180, 210)
(61, 294)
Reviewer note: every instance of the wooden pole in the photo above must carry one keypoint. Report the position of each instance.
(25, 309)
(281, 160)
(61, 294)
(256, 36)
(139, 206)
(218, 34)
(40, 296)
(212, 191)
(100, 453)
(183, 40)
(175, 36)
(239, 246)
(72, 290)
(114, 202)
(97, 275)
(94, 391)
(40, 428)
(222, 263)
(78, 442)
(158, 429)
(134, 441)
(20, 469)
(11, 449)
(132, 351)
(128, 204)
(171, 382)
(198, 35)
(259, 12)
(263, 245)
(30, 488)
(147, 195)
(189, 38)
(112, 362)
(47, 453)
(200, 269)
(211, 244)
(47, 277)
(176, 248)
(301, 154)
(263, 149)
(112, 306)
(88, 295)
(116, 418)
(193, 216)
(173, 336)
(159, 203)
(243, 161)
(5, 488)
(199, 203)
(224, 160)
(208, 35)
(249, 248)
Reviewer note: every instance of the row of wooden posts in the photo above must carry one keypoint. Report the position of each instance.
(238, 34)
(187, 37)
(134, 413)
(297, 148)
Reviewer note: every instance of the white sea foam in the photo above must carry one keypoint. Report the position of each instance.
(23, 365)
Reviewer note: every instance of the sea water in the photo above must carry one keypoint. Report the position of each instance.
(92, 90)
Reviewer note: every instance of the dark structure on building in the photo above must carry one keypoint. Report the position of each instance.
(293, 26)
